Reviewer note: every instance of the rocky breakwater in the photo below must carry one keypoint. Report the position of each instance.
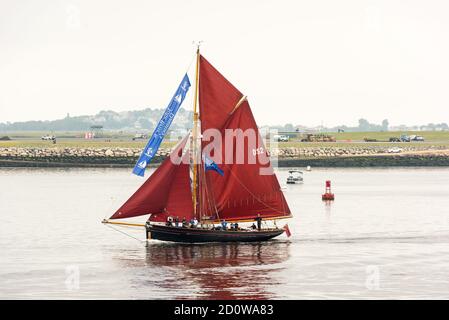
(369, 156)
(288, 156)
(346, 151)
(74, 156)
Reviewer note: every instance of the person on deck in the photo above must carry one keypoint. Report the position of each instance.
(176, 222)
(195, 222)
(259, 221)
(184, 222)
(253, 226)
(224, 224)
(236, 226)
(169, 222)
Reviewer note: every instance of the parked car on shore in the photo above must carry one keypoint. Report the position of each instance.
(405, 138)
(139, 136)
(394, 139)
(418, 138)
(281, 138)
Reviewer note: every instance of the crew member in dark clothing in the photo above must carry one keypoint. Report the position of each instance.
(224, 224)
(259, 222)
(169, 222)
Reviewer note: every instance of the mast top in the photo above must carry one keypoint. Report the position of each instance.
(198, 44)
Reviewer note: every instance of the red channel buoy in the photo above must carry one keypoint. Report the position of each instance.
(328, 195)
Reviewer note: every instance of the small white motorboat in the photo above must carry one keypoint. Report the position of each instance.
(295, 177)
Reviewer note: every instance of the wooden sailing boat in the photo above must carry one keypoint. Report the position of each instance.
(185, 189)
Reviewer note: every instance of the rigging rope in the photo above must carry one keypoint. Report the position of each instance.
(254, 196)
(126, 234)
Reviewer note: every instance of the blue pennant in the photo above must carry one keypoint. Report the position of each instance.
(162, 127)
(211, 165)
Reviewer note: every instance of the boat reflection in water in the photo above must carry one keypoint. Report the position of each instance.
(219, 271)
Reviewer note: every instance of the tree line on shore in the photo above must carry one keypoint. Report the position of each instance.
(146, 120)
(363, 126)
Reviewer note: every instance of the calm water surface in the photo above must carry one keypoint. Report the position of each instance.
(385, 236)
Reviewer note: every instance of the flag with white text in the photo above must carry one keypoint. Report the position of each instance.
(162, 127)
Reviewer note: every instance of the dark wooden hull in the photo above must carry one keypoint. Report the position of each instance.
(196, 235)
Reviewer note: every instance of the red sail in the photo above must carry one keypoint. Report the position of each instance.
(245, 190)
(217, 96)
(166, 192)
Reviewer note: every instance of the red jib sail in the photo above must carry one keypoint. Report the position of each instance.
(166, 192)
(247, 188)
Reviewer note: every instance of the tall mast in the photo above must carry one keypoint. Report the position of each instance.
(195, 134)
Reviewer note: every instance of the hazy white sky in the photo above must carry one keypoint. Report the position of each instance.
(303, 62)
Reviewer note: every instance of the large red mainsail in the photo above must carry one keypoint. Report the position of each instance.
(247, 188)
(166, 192)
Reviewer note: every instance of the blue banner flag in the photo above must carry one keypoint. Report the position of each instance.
(211, 165)
(162, 127)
